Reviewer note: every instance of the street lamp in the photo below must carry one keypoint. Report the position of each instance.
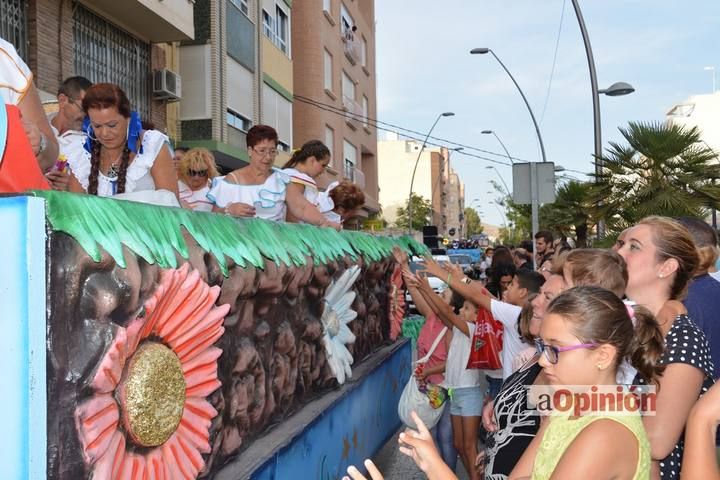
(616, 89)
(482, 51)
(491, 132)
(412, 180)
(535, 215)
(507, 190)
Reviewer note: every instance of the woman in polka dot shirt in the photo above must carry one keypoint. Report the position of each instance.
(661, 258)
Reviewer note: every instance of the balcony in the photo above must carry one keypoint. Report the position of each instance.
(355, 111)
(155, 20)
(359, 178)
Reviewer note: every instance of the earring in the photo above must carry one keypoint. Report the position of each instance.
(600, 367)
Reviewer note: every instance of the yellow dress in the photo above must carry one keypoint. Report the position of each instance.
(561, 431)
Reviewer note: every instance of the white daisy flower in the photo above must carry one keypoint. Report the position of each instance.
(336, 315)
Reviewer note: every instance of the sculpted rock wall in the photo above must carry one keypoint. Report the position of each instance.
(273, 355)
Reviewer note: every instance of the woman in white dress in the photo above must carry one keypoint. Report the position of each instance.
(195, 171)
(258, 189)
(121, 159)
(306, 165)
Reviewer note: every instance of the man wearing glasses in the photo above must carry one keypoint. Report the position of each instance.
(66, 124)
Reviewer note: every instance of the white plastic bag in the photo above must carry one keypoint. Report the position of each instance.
(413, 399)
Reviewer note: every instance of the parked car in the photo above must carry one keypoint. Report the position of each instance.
(435, 283)
(465, 261)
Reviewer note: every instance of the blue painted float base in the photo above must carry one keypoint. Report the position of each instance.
(342, 428)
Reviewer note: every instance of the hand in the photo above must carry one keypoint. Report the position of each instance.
(34, 135)
(419, 446)
(58, 180)
(372, 471)
(400, 256)
(334, 225)
(423, 282)
(240, 210)
(410, 279)
(434, 268)
(488, 417)
(480, 463)
(454, 269)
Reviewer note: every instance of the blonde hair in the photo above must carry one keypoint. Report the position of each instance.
(673, 240)
(526, 315)
(197, 159)
(599, 267)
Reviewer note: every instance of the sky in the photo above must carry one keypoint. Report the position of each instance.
(660, 47)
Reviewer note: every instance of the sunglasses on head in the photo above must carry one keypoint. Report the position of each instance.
(197, 173)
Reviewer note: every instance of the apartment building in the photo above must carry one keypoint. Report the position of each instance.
(334, 86)
(435, 180)
(701, 111)
(237, 72)
(130, 43)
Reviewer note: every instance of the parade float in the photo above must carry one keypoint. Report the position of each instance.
(147, 342)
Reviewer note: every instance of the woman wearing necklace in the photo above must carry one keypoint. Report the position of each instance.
(119, 157)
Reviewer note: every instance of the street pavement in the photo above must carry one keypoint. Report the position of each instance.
(395, 465)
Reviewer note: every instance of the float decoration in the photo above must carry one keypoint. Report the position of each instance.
(148, 416)
(155, 234)
(336, 315)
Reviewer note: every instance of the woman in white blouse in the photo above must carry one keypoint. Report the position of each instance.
(121, 158)
(258, 189)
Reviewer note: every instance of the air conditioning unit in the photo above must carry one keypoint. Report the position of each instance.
(166, 85)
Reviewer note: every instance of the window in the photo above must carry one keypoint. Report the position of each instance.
(277, 112)
(277, 28)
(350, 160)
(365, 110)
(104, 53)
(281, 29)
(242, 5)
(330, 138)
(346, 23)
(327, 70)
(13, 25)
(268, 25)
(363, 52)
(348, 86)
(238, 121)
(326, 5)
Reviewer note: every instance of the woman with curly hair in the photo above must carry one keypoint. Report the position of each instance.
(195, 172)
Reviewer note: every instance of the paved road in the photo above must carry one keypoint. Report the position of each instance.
(395, 465)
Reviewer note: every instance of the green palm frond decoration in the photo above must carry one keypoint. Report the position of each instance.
(155, 234)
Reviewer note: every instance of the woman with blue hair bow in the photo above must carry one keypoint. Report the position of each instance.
(121, 159)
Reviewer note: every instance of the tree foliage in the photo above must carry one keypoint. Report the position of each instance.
(421, 213)
(664, 169)
(473, 225)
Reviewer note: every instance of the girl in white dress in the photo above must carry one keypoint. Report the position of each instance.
(304, 168)
(119, 157)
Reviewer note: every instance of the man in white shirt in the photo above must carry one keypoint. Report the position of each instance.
(67, 125)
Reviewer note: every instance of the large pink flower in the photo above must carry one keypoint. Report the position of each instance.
(396, 303)
(149, 417)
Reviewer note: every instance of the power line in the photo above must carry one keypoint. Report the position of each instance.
(552, 70)
(376, 123)
(346, 114)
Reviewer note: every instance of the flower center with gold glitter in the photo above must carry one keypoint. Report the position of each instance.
(152, 394)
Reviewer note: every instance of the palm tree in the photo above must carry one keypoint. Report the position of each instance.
(665, 169)
(570, 213)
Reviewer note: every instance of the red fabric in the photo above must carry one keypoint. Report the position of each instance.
(19, 170)
(486, 343)
(428, 333)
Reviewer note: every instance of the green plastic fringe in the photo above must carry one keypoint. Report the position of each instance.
(154, 233)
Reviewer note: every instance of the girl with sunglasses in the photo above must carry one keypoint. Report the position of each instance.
(586, 334)
(196, 170)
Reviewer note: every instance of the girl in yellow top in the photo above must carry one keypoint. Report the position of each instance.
(586, 334)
